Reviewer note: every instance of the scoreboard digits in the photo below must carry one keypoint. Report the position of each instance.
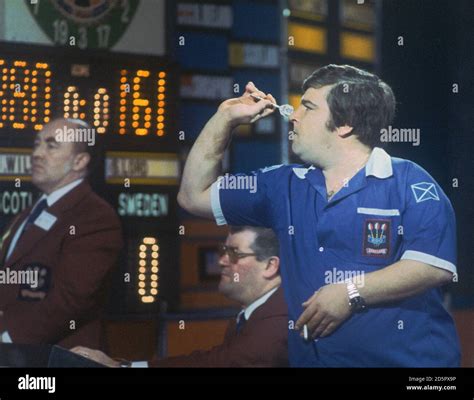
(25, 95)
(131, 98)
(127, 101)
(148, 266)
(130, 102)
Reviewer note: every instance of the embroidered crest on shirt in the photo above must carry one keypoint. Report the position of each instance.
(376, 237)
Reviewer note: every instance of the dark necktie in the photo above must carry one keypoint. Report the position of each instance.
(42, 205)
(240, 323)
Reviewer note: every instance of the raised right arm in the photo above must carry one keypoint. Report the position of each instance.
(204, 162)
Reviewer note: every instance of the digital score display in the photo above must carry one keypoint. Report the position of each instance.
(148, 266)
(25, 95)
(118, 96)
(131, 102)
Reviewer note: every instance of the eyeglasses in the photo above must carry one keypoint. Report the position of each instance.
(233, 253)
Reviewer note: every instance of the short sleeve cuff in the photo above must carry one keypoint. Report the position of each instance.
(216, 204)
(429, 259)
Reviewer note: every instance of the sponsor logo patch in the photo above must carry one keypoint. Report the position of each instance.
(376, 238)
(37, 292)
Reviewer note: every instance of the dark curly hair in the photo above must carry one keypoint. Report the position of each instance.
(357, 98)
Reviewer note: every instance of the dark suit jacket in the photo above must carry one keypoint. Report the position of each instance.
(75, 258)
(261, 342)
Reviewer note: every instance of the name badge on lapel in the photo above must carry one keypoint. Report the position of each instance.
(45, 220)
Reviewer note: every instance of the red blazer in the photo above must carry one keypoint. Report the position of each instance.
(75, 258)
(261, 342)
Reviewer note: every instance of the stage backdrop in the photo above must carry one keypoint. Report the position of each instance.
(116, 25)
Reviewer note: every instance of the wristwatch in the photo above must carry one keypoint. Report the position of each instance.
(356, 301)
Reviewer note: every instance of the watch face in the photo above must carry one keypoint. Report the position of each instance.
(87, 24)
(357, 304)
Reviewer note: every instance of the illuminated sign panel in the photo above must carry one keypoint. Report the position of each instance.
(142, 205)
(206, 87)
(14, 202)
(205, 15)
(142, 168)
(253, 55)
(298, 72)
(357, 47)
(307, 38)
(15, 170)
(118, 97)
(294, 100)
(358, 15)
(15, 163)
(309, 9)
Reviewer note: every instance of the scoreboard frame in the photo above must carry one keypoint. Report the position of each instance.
(88, 71)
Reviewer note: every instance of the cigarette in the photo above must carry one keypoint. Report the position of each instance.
(305, 332)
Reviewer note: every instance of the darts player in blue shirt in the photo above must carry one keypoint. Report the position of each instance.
(367, 240)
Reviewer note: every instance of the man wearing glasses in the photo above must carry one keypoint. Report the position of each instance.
(350, 210)
(257, 337)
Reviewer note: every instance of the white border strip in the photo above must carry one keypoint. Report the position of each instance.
(429, 259)
(216, 204)
(378, 211)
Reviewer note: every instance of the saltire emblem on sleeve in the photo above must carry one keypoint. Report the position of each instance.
(424, 191)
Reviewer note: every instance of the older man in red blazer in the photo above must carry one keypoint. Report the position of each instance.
(70, 239)
(257, 337)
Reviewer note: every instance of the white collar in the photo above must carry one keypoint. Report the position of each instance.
(257, 303)
(58, 193)
(301, 172)
(379, 164)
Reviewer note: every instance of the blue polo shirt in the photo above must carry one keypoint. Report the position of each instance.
(389, 211)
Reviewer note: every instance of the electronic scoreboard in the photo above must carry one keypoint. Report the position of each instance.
(130, 101)
(123, 97)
